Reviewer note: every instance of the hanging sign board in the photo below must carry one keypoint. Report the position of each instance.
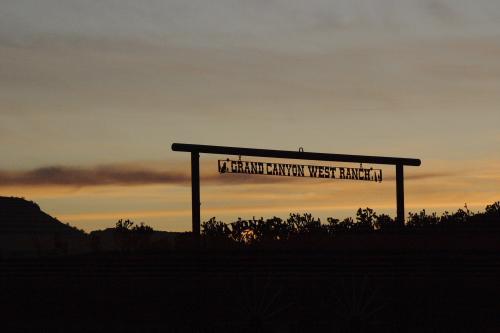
(299, 170)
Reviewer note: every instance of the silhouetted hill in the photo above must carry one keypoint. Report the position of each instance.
(18, 215)
(26, 230)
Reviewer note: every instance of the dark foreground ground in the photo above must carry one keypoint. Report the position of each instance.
(254, 291)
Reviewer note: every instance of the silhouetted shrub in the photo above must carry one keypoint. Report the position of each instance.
(493, 209)
(274, 229)
(130, 237)
(365, 219)
(336, 226)
(384, 222)
(421, 219)
(214, 228)
(305, 226)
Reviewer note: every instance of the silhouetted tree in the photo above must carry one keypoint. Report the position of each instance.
(304, 224)
(365, 219)
(493, 209)
(384, 222)
(213, 228)
(274, 229)
(132, 237)
(421, 219)
(336, 226)
(123, 226)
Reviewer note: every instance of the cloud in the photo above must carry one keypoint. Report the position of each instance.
(96, 176)
(120, 174)
(135, 174)
(195, 19)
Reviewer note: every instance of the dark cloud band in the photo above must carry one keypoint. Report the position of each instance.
(113, 175)
(98, 176)
(135, 175)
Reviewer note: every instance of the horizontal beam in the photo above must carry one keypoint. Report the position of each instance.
(297, 155)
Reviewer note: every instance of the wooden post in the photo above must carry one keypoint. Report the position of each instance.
(195, 194)
(400, 195)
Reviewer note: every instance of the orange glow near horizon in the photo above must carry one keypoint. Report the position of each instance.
(168, 207)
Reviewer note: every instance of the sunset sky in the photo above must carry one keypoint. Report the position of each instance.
(93, 94)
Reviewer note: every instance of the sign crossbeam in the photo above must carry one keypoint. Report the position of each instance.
(297, 155)
(195, 150)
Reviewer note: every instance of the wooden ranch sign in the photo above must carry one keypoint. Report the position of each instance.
(292, 170)
(299, 170)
